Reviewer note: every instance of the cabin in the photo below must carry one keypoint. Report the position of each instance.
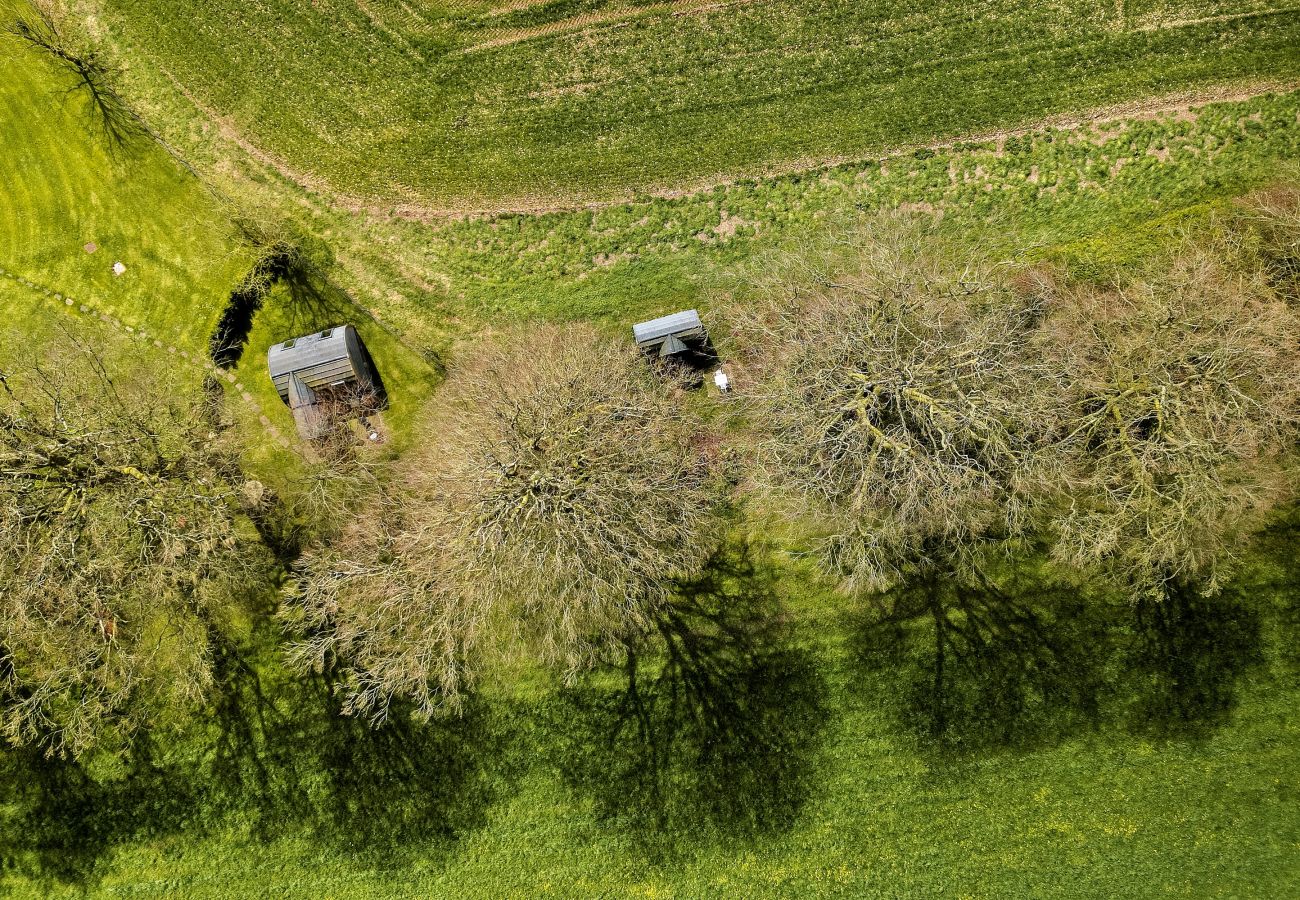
(680, 336)
(307, 371)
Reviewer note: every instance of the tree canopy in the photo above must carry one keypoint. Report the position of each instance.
(124, 543)
(900, 397)
(1183, 396)
(561, 491)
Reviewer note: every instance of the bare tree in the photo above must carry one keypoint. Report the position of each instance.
(1184, 394)
(120, 519)
(560, 492)
(900, 400)
(1274, 215)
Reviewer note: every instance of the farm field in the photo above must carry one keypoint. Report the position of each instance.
(514, 801)
(487, 105)
(457, 170)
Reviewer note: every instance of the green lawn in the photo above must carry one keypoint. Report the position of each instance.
(1124, 780)
(63, 187)
(441, 105)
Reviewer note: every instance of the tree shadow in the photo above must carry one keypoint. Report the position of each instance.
(1278, 585)
(713, 732)
(1184, 660)
(58, 820)
(286, 760)
(275, 760)
(1023, 661)
(93, 81)
(983, 663)
(229, 339)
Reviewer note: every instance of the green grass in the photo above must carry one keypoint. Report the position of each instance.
(62, 187)
(524, 799)
(390, 99)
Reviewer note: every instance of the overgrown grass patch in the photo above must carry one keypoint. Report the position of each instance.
(1083, 196)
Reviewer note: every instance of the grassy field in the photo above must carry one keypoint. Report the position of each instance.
(1089, 196)
(65, 187)
(484, 104)
(1126, 780)
(1098, 776)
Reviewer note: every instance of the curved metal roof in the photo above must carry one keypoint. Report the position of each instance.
(685, 323)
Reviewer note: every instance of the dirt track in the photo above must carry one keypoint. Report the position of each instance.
(1182, 102)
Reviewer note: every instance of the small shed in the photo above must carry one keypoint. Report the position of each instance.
(679, 333)
(306, 368)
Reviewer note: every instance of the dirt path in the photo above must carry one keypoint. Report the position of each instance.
(1183, 102)
(506, 36)
(1215, 20)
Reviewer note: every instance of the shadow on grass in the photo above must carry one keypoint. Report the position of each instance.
(92, 81)
(1011, 663)
(1023, 662)
(298, 264)
(1278, 588)
(278, 763)
(290, 762)
(1184, 660)
(57, 820)
(710, 730)
(229, 339)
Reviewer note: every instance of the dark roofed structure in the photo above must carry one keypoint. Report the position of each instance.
(674, 335)
(306, 369)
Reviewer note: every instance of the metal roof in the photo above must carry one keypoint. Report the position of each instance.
(331, 356)
(680, 324)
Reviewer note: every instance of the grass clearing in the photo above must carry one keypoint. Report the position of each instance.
(446, 107)
(408, 377)
(64, 189)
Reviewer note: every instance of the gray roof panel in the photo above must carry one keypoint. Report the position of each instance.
(330, 356)
(308, 351)
(684, 323)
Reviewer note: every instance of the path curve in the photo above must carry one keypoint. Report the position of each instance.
(380, 208)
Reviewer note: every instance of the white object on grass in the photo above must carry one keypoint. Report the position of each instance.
(118, 268)
(722, 381)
